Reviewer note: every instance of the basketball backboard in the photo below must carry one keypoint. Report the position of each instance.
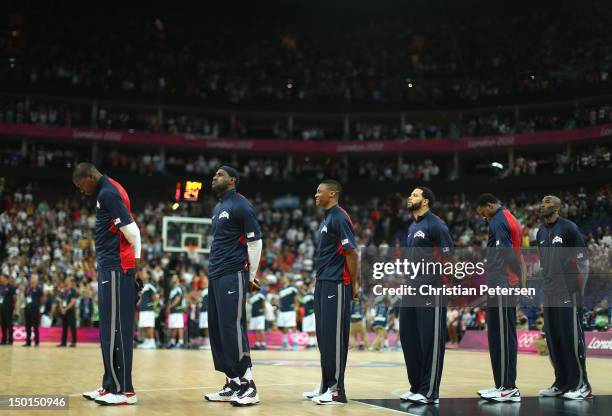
(178, 233)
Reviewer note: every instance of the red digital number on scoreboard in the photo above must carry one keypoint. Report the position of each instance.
(177, 192)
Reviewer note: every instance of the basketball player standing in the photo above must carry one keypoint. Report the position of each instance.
(336, 274)
(505, 269)
(423, 325)
(234, 259)
(563, 256)
(118, 249)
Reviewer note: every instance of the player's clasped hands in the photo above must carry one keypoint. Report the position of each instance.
(254, 285)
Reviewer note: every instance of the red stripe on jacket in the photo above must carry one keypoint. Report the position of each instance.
(126, 253)
(516, 236)
(346, 276)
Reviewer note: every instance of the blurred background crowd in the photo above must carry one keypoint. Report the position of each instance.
(55, 241)
(405, 73)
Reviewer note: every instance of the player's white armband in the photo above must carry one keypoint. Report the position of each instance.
(254, 250)
(132, 234)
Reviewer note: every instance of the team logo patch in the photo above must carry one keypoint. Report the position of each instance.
(419, 234)
(250, 235)
(324, 229)
(557, 239)
(345, 241)
(224, 214)
(117, 221)
(98, 204)
(497, 243)
(445, 249)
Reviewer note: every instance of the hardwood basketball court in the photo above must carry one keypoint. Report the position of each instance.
(173, 381)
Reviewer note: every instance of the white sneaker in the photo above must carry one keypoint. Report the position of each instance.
(406, 396)
(226, 394)
(308, 395)
(247, 396)
(583, 392)
(93, 395)
(420, 399)
(147, 345)
(330, 398)
(552, 391)
(486, 391)
(111, 399)
(503, 394)
(204, 347)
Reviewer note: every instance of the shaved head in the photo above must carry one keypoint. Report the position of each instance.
(328, 193)
(85, 177)
(555, 200)
(83, 170)
(549, 208)
(333, 186)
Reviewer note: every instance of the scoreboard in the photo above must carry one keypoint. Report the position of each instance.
(188, 191)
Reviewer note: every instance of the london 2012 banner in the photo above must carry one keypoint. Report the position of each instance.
(598, 344)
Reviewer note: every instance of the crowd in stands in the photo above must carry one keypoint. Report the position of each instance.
(55, 240)
(253, 168)
(263, 59)
(266, 55)
(492, 122)
(257, 168)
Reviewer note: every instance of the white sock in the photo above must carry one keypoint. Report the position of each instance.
(235, 380)
(248, 374)
(313, 341)
(181, 341)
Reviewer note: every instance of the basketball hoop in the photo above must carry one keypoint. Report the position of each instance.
(192, 250)
(181, 234)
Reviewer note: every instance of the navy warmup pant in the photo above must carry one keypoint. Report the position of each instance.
(69, 321)
(332, 305)
(565, 339)
(6, 321)
(423, 336)
(227, 323)
(32, 321)
(503, 344)
(117, 306)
